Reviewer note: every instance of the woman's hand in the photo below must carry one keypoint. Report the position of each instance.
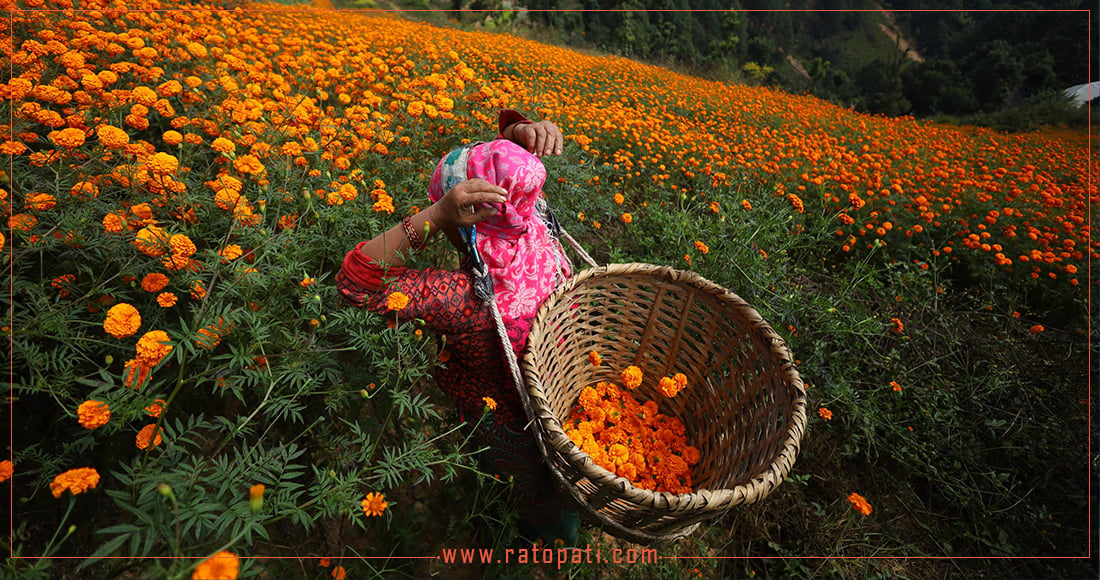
(542, 138)
(467, 203)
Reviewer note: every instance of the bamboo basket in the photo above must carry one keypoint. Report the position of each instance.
(744, 408)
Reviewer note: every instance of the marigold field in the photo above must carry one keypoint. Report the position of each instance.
(190, 398)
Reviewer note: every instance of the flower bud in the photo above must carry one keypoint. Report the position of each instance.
(256, 497)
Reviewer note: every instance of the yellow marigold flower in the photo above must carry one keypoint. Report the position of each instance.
(152, 241)
(152, 347)
(595, 358)
(374, 504)
(627, 218)
(701, 247)
(860, 504)
(490, 403)
(76, 480)
(146, 437)
(154, 282)
(162, 164)
(7, 469)
(223, 145)
(113, 137)
(397, 301)
(93, 414)
(182, 245)
(632, 377)
(221, 566)
(68, 138)
(248, 164)
(167, 299)
(123, 320)
(41, 202)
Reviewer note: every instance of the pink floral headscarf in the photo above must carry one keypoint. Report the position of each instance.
(524, 261)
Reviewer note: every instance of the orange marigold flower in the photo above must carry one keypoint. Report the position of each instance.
(1037, 329)
(162, 164)
(13, 148)
(895, 386)
(231, 252)
(324, 562)
(93, 414)
(123, 320)
(154, 282)
(384, 204)
(152, 241)
(307, 282)
(825, 414)
(182, 245)
(248, 164)
(135, 373)
(221, 566)
(627, 218)
(397, 301)
(701, 247)
(714, 207)
(632, 377)
(223, 145)
(860, 504)
(339, 573)
(746, 205)
(113, 137)
(619, 199)
(595, 358)
(490, 403)
(152, 347)
(146, 437)
(898, 326)
(41, 202)
(198, 290)
(156, 408)
(22, 221)
(374, 504)
(68, 138)
(76, 481)
(7, 469)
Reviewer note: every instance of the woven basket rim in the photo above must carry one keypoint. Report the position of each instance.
(552, 438)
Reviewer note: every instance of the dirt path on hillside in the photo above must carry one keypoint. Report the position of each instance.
(903, 45)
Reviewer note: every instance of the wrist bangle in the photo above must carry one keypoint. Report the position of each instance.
(416, 243)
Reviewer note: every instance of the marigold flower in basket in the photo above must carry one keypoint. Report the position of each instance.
(75, 480)
(595, 358)
(93, 414)
(221, 566)
(632, 377)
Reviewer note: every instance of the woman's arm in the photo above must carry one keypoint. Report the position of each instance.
(464, 205)
(541, 138)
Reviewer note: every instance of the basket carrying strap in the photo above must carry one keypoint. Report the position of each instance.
(454, 172)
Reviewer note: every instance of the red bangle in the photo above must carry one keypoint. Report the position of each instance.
(415, 241)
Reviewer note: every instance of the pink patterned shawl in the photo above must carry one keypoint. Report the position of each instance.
(525, 262)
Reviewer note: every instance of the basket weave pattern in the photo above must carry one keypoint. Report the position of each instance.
(744, 408)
